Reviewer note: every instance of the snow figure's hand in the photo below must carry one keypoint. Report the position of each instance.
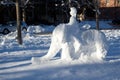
(37, 60)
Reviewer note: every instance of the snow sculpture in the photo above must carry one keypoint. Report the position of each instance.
(74, 43)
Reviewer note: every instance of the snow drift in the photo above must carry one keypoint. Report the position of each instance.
(76, 43)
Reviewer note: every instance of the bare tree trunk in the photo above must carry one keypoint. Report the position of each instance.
(69, 3)
(23, 15)
(97, 21)
(19, 36)
(97, 14)
(24, 5)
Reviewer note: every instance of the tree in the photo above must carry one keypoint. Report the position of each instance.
(24, 5)
(19, 35)
(97, 13)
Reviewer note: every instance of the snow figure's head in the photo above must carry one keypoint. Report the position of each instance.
(73, 11)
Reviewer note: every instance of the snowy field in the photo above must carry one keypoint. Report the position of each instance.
(15, 59)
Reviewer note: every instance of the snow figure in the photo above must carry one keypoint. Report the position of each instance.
(74, 43)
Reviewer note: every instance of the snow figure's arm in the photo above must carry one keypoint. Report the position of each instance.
(53, 50)
(57, 38)
(54, 47)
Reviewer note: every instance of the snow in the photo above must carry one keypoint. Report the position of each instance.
(15, 59)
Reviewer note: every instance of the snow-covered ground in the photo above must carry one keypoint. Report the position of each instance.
(17, 62)
(15, 59)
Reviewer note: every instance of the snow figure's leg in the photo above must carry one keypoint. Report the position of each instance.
(67, 51)
(101, 45)
(77, 47)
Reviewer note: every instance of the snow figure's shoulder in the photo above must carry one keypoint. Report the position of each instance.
(99, 33)
(94, 31)
(59, 28)
(94, 34)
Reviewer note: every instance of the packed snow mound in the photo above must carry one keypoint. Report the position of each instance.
(40, 28)
(75, 43)
(35, 29)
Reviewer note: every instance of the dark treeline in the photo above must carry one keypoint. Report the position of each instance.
(43, 11)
